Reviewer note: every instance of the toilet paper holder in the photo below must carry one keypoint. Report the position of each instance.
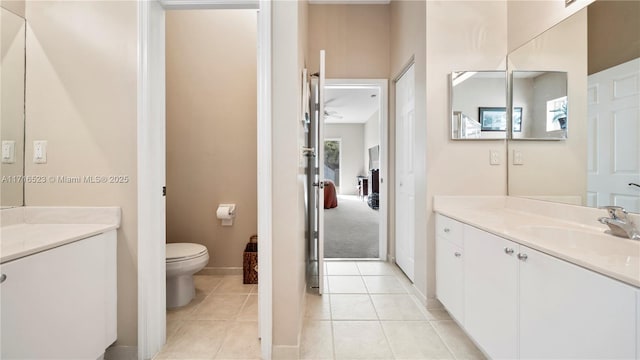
(226, 213)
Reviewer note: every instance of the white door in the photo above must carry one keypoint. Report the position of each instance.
(405, 184)
(614, 137)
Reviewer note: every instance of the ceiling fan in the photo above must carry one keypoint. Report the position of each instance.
(332, 114)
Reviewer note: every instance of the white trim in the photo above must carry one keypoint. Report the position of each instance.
(209, 4)
(382, 85)
(265, 217)
(151, 251)
(151, 179)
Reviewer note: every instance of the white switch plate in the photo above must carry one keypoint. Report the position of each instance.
(8, 151)
(39, 151)
(494, 157)
(517, 157)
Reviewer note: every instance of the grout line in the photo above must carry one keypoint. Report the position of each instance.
(453, 355)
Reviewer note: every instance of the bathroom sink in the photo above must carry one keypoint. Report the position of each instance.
(569, 237)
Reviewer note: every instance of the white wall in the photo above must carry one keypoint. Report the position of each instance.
(474, 93)
(371, 136)
(351, 162)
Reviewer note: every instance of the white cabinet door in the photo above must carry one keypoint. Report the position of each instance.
(490, 292)
(567, 312)
(449, 277)
(60, 303)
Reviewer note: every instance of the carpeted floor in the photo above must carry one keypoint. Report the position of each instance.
(351, 229)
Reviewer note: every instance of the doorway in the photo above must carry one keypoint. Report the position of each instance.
(355, 113)
(151, 168)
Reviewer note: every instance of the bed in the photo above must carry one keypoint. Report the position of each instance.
(330, 196)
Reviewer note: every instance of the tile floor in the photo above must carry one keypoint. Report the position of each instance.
(220, 323)
(369, 313)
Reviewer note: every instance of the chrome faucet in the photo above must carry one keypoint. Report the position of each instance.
(619, 223)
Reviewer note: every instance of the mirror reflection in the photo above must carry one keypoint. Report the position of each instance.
(539, 105)
(12, 72)
(478, 105)
(599, 48)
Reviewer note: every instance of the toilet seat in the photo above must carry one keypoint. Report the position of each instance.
(184, 251)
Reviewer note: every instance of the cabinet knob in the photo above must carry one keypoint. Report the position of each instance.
(457, 254)
(508, 251)
(522, 257)
(3, 277)
(447, 230)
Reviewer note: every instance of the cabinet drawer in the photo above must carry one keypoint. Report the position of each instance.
(449, 229)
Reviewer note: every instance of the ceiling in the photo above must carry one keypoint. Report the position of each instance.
(350, 104)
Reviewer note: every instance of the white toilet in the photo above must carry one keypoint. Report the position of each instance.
(183, 260)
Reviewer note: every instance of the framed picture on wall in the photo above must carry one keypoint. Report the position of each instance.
(495, 119)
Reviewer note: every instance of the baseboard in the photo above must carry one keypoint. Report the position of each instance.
(285, 352)
(118, 352)
(418, 294)
(221, 271)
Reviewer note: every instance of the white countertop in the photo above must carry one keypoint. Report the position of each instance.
(29, 230)
(527, 222)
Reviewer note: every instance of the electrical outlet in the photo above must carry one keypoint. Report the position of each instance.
(517, 157)
(494, 157)
(8, 151)
(40, 152)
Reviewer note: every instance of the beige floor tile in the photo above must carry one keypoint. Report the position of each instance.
(195, 340)
(352, 307)
(249, 310)
(346, 285)
(437, 314)
(241, 341)
(433, 303)
(254, 289)
(415, 340)
(383, 285)
(360, 340)
(232, 284)
(219, 307)
(317, 307)
(184, 312)
(173, 326)
(397, 307)
(375, 268)
(317, 340)
(457, 341)
(206, 283)
(342, 268)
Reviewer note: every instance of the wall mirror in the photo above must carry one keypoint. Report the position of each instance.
(478, 105)
(539, 105)
(598, 164)
(12, 82)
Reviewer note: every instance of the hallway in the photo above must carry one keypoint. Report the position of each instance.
(370, 313)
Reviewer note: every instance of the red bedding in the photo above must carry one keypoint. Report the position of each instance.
(330, 196)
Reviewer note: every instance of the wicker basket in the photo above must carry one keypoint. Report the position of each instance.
(250, 261)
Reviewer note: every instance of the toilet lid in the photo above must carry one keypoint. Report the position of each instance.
(183, 251)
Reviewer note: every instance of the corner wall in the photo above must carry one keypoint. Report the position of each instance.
(81, 91)
(288, 232)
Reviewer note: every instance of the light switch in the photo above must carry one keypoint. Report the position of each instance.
(40, 152)
(8, 151)
(517, 157)
(494, 157)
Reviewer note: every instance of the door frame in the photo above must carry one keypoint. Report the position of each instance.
(151, 249)
(382, 85)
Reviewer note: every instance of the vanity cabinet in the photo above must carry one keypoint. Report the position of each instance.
(519, 303)
(60, 303)
(449, 266)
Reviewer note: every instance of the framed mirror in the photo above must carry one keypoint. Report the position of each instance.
(598, 164)
(539, 105)
(478, 103)
(12, 81)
